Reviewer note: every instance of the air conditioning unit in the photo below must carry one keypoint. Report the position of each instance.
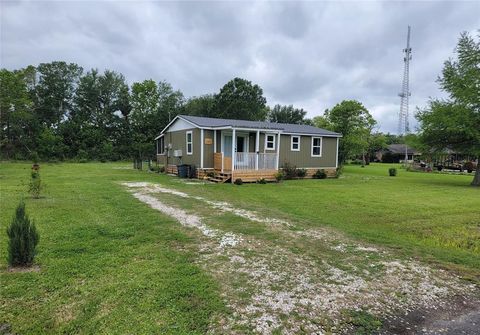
(177, 153)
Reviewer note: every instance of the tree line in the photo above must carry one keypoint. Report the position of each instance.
(57, 111)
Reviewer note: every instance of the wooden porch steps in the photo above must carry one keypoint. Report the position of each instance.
(220, 177)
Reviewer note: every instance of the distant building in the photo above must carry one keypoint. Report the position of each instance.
(395, 153)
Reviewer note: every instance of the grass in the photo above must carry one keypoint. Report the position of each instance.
(431, 216)
(110, 264)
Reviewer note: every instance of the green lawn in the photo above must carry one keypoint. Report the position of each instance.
(110, 264)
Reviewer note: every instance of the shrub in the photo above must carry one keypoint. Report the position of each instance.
(301, 173)
(279, 176)
(392, 172)
(261, 181)
(289, 171)
(469, 166)
(320, 174)
(339, 171)
(22, 238)
(238, 181)
(35, 186)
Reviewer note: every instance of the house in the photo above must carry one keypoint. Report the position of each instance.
(250, 150)
(395, 153)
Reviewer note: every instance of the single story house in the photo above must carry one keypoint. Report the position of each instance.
(249, 150)
(395, 153)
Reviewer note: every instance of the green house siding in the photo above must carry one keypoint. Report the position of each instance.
(178, 140)
(303, 158)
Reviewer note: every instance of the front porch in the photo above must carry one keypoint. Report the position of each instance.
(243, 154)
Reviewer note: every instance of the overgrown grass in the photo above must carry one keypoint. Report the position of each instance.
(108, 264)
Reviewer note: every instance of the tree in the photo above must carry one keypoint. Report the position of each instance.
(153, 106)
(95, 121)
(239, 99)
(200, 106)
(287, 114)
(455, 123)
(351, 119)
(54, 91)
(17, 122)
(376, 143)
(22, 238)
(321, 121)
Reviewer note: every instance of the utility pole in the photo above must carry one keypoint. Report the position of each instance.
(403, 117)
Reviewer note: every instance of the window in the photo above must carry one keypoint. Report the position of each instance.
(269, 142)
(189, 143)
(295, 143)
(316, 147)
(161, 146)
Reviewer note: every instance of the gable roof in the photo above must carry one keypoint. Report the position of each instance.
(289, 128)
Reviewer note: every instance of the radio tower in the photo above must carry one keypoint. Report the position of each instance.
(403, 125)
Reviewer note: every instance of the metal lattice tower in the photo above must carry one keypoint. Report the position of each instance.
(403, 124)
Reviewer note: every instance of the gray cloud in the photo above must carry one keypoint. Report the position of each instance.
(309, 54)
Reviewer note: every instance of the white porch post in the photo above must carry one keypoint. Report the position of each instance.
(278, 150)
(201, 148)
(215, 141)
(257, 148)
(234, 139)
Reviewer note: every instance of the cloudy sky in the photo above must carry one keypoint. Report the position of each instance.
(309, 54)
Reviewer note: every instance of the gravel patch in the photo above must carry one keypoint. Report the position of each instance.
(269, 288)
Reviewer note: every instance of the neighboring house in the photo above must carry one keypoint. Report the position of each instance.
(259, 148)
(395, 153)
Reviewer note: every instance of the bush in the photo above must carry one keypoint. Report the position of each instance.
(301, 173)
(339, 171)
(320, 174)
(290, 171)
(261, 181)
(279, 176)
(35, 186)
(392, 172)
(238, 181)
(22, 238)
(470, 166)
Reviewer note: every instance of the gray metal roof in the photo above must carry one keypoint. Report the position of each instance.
(208, 122)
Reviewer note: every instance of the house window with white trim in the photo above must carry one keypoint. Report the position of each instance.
(269, 142)
(189, 140)
(295, 143)
(316, 147)
(161, 146)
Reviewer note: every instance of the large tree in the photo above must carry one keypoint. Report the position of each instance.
(240, 99)
(54, 91)
(17, 122)
(455, 123)
(153, 106)
(200, 106)
(351, 119)
(287, 114)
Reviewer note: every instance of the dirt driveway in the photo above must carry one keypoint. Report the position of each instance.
(279, 278)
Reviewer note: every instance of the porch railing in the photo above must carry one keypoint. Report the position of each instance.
(254, 161)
